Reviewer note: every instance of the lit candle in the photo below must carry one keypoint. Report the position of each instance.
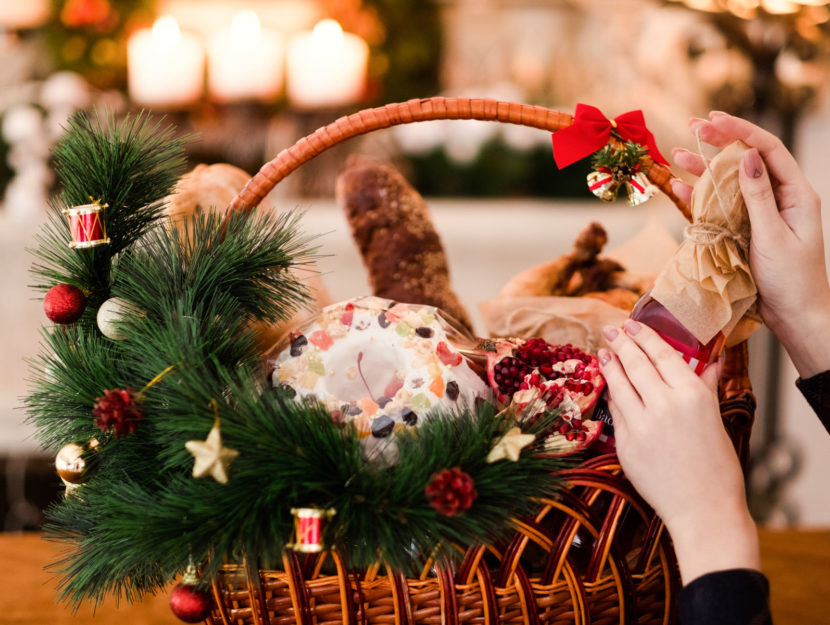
(326, 67)
(165, 67)
(245, 62)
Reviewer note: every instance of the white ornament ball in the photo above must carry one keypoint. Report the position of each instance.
(22, 123)
(113, 313)
(64, 90)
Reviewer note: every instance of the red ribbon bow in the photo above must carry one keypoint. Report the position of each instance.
(591, 130)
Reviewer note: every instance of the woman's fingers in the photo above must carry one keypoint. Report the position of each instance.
(620, 423)
(665, 360)
(683, 190)
(623, 398)
(691, 162)
(711, 375)
(725, 128)
(635, 362)
(761, 205)
(709, 133)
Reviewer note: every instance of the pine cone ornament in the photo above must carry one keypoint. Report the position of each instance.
(451, 491)
(118, 410)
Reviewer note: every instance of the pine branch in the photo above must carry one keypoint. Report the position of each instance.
(246, 258)
(73, 369)
(292, 455)
(129, 165)
(626, 156)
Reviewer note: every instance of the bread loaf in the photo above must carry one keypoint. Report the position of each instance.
(391, 226)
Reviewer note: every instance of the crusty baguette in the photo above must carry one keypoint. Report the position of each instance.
(392, 228)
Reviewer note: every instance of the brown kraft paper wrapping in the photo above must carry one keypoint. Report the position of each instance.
(707, 284)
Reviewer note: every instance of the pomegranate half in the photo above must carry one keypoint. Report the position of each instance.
(534, 376)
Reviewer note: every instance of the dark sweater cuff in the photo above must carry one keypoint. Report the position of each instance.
(732, 597)
(816, 391)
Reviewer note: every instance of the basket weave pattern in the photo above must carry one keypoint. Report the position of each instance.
(598, 555)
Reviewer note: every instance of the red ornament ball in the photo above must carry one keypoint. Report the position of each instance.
(451, 491)
(64, 303)
(189, 604)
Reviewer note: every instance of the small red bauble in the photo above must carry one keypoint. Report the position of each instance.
(64, 303)
(189, 604)
(451, 491)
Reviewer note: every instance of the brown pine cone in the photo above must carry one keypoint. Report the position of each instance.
(117, 410)
(451, 491)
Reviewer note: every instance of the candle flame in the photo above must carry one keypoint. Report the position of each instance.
(780, 7)
(245, 27)
(327, 34)
(166, 31)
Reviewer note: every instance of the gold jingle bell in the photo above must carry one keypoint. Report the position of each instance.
(604, 185)
(639, 189)
(70, 464)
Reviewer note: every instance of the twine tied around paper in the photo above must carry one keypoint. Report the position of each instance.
(708, 233)
(703, 233)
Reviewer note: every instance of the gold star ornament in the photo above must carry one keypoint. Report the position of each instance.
(510, 445)
(211, 457)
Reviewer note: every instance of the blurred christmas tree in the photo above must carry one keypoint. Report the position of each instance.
(90, 37)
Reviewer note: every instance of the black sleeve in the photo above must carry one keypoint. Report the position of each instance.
(732, 597)
(816, 391)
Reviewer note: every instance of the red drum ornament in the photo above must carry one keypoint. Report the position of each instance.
(309, 524)
(87, 225)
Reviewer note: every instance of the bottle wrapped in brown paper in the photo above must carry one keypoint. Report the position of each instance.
(707, 284)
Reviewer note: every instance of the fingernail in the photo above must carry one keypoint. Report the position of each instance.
(604, 356)
(717, 114)
(610, 333)
(631, 326)
(753, 163)
(676, 184)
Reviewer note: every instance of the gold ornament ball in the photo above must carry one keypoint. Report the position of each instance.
(70, 463)
(113, 312)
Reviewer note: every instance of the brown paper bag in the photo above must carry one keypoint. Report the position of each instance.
(707, 284)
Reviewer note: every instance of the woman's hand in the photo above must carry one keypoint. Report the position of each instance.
(673, 447)
(786, 253)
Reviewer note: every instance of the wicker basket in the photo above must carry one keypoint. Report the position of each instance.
(597, 555)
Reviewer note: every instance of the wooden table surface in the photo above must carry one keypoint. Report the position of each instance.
(796, 562)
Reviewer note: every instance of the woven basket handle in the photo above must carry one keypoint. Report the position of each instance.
(424, 109)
